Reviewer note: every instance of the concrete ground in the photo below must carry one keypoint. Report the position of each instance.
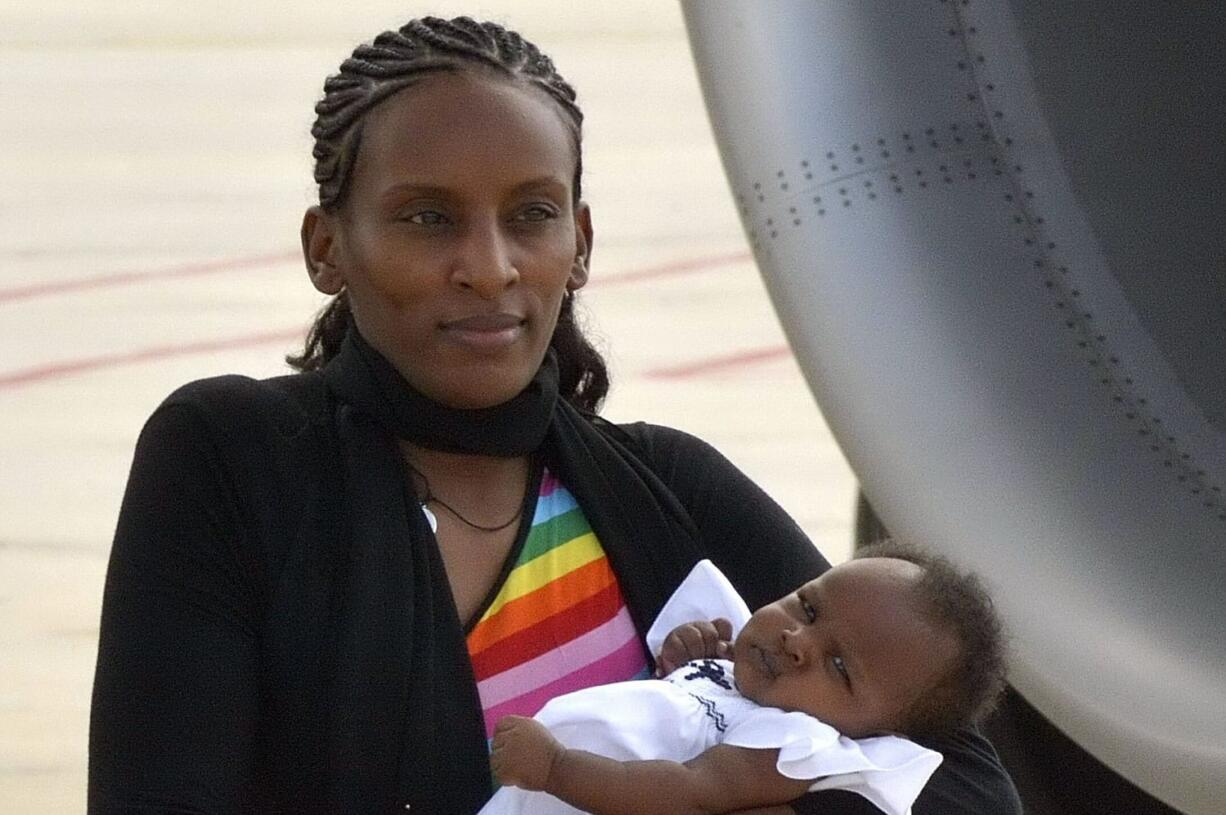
(156, 162)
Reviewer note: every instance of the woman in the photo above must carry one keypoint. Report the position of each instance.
(326, 587)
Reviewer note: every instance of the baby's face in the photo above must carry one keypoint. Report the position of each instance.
(849, 648)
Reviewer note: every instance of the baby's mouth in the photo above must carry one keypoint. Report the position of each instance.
(767, 662)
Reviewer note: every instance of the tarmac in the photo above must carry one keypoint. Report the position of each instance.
(156, 160)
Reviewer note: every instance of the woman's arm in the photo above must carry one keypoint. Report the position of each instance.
(765, 555)
(752, 540)
(172, 726)
(723, 779)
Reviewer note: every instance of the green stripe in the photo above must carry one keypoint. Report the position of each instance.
(558, 530)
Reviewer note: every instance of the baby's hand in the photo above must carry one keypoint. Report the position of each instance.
(696, 640)
(523, 753)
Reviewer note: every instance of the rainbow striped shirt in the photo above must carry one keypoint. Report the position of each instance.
(558, 623)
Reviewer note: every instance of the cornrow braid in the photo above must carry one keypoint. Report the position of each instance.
(398, 59)
(393, 61)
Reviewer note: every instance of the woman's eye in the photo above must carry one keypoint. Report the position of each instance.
(536, 213)
(427, 217)
(841, 667)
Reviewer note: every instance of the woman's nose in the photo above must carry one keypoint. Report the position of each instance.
(483, 262)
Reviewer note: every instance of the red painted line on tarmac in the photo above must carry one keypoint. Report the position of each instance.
(675, 268)
(57, 370)
(102, 281)
(714, 365)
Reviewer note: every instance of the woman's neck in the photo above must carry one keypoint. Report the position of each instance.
(477, 505)
(482, 485)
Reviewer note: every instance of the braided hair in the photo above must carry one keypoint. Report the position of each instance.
(392, 62)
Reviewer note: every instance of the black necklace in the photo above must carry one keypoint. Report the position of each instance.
(431, 498)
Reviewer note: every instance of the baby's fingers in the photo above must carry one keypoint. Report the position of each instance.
(715, 636)
(701, 639)
(723, 638)
(683, 644)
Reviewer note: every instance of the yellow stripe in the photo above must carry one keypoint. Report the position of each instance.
(549, 566)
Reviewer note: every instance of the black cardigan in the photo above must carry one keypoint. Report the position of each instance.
(217, 681)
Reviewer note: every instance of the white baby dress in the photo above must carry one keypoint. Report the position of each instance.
(698, 706)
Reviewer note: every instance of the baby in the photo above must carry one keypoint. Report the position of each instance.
(893, 642)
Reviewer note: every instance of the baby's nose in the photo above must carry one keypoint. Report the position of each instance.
(793, 647)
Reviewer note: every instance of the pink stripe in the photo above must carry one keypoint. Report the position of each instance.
(125, 278)
(549, 483)
(716, 364)
(557, 662)
(621, 664)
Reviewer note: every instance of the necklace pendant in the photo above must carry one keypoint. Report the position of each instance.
(430, 518)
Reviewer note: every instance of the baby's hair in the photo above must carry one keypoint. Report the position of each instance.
(395, 60)
(956, 601)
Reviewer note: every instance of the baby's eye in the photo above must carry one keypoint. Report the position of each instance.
(841, 667)
(807, 608)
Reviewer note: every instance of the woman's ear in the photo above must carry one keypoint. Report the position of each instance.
(318, 248)
(583, 248)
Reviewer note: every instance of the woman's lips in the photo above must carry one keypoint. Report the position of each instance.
(485, 331)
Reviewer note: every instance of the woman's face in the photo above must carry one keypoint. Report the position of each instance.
(459, 236)
(849, 648)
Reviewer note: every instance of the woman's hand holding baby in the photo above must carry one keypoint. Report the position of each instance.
(524, 752)
(701, 639)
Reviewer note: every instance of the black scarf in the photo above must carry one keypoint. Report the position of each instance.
(365, 379)
(399, 643)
